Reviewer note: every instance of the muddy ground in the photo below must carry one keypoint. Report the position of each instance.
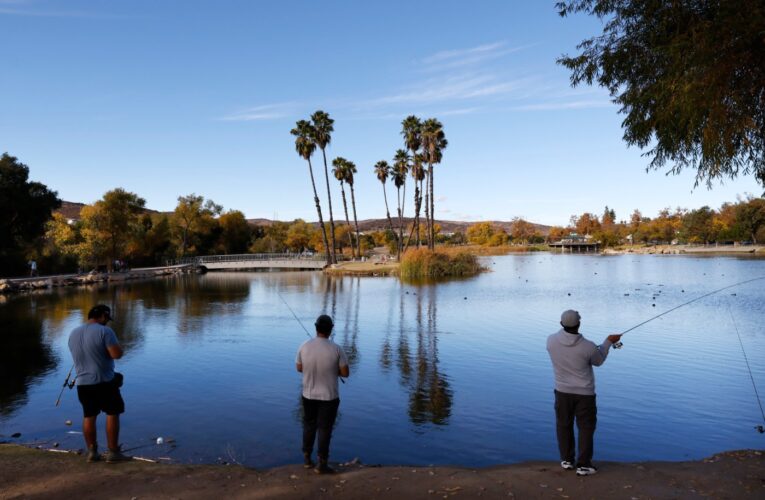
(31, 473)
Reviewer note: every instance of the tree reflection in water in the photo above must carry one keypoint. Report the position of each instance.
(24, 357)
(430, 396)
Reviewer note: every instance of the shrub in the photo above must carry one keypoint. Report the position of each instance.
(422, 263)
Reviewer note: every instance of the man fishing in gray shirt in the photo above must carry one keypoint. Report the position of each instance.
(573, 357)
(321, 362)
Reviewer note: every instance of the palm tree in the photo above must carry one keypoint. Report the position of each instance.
(418, 174)
(305, 147)
(400, 169)
(339, 171)
(433, 144)
(382, 171)
(350, 170)
(322, 128)
(411, 128)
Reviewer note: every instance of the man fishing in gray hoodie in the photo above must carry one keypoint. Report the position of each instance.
(573, 357)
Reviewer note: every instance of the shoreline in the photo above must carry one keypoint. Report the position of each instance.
(15, 285)
(36, 473)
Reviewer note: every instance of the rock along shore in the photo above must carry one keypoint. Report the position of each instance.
(31, 473)
(14, 285)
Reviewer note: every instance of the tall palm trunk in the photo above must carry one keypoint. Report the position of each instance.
(415, 222)
(387, 211)
(432, 236)
(398, 243)
(427, 213)
(401, 222)
(318, 211)
(329, 199)
(347, 221)
(355, 222)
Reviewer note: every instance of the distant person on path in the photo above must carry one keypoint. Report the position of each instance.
(573, 357)
(321, 362)
(94, 348)
(32, 268)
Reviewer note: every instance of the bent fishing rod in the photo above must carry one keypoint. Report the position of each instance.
(300, 323)
(618, 345)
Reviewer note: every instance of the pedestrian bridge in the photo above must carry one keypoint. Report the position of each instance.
(257, 261)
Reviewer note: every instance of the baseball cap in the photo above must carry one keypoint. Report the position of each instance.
(570, 318)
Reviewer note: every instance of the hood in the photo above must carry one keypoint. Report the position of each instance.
(568, 339)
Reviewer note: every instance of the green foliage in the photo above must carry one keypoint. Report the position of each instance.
(235, 233)
(192, 223)
(25, 207)
(424, 263)
(110, 227)
(689, 76)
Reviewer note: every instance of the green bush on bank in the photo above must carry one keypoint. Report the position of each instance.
(422, 263)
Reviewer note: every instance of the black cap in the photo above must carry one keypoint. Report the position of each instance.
(99, 311)
(324, 324)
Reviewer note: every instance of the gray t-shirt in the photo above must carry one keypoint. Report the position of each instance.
(92, 361)
(321, 359)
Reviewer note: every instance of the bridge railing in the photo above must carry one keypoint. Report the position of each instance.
(249, 257)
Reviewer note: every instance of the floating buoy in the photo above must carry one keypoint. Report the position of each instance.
(68, 422)
(160, 440)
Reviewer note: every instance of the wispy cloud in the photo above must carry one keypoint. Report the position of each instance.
(28, 8)
(450, 59)
(556, 106)
(451, 88)
(265, 112)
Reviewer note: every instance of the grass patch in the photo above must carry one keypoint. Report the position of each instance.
(422, 263)
(485, 251)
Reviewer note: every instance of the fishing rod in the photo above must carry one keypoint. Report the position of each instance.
(301, 323)
(759, 428)
(618, 345)
(66, 384)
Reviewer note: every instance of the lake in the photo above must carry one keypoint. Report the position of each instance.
(454, 372)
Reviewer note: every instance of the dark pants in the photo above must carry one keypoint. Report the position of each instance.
(582, 408)
(318, 415)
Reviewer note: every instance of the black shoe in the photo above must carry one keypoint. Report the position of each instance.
(307, 462)
(116, 456)
(323, 468)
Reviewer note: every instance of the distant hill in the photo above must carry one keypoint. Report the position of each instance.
(447, 226)
(71, 210)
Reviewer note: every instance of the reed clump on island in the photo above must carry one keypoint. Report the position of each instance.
(424, 263)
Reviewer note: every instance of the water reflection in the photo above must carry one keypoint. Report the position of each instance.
(430, 395)
(24, 357)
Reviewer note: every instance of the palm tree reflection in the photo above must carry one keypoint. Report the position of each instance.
(430, 395)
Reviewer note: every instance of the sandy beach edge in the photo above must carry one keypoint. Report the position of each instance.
(31, 473)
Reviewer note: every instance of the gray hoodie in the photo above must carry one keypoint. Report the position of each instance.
(573, 357)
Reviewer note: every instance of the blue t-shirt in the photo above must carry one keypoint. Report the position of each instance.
(92, 361)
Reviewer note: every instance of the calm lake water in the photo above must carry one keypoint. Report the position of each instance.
(448, 373)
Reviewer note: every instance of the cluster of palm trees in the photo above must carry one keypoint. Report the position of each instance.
(317, 132)
(424, 143)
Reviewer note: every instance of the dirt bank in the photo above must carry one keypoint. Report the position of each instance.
(28, 473)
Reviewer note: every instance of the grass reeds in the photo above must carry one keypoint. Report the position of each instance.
(422, 263)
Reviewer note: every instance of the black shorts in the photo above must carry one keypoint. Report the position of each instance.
(97, 398)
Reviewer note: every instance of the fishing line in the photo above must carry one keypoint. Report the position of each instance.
(300, 322)
(618, 344)
(759, 428)
(294, 315)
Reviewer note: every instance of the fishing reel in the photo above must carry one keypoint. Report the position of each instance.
(760, 429)
(618, 345)
(70, 384)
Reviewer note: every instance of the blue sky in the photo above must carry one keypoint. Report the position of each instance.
(166, 98)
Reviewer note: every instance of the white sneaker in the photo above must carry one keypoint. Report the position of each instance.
(586, 471)
(567, 465)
